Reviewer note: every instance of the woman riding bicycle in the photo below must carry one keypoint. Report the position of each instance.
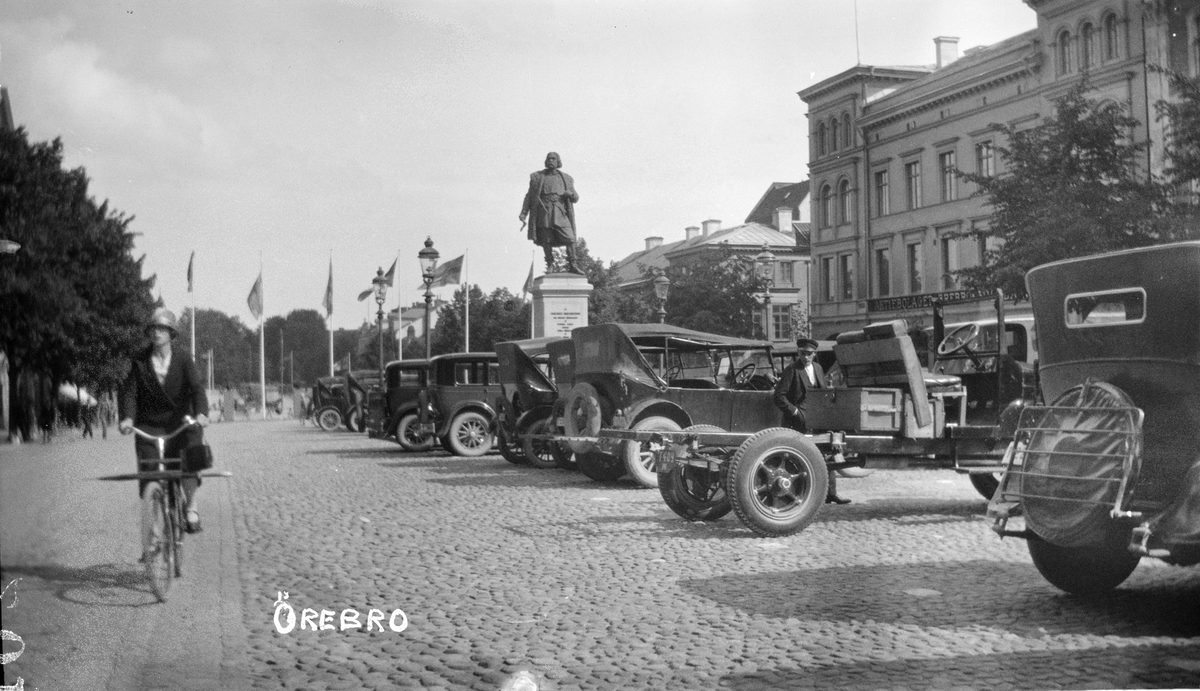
(160, 390)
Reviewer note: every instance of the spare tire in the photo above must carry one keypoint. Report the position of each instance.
(583, 416)
(1074, 461)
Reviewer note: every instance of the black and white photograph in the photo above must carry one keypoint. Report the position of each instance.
(542, 345)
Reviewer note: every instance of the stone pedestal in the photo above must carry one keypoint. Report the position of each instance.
(560, 303)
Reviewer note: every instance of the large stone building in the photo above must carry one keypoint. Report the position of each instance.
(884, 143)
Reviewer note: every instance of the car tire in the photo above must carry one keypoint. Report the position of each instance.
(540, 452)
(985, 483)
(777, 481)
(1085, 570)
(409, 437)
(639, 462)
(354, 420)
(470, 434)
(601, 467)
(329, 418)
(583, 416)
(692, 492)
(509, 447)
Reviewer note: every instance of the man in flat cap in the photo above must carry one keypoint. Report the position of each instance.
(792, 389)
(550, 207)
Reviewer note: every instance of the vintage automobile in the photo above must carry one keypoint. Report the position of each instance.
(457, 407)
(525, 407)
(889, 412)
(1108, 471)
(395, 414)
(695, 378)
(970, 351)
(342, 400)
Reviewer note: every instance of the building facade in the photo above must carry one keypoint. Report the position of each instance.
(885, 144)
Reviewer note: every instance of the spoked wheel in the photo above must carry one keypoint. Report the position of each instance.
(777, 482)
(510, 446)
(354, 420)
(540, 452)
(408, 434)
(158, 540)
(329, 418)
(599, 466)
(564, 456)
(692, 492)
(470, 434)
(1085, 570)
(639, 461)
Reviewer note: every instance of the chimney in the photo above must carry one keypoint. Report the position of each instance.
(711, 226)
(653, 242)
(691, 232)
(947, 50)
(783, 219)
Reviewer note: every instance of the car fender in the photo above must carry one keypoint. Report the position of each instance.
(394, 420)
(655, 406)
(478, 406)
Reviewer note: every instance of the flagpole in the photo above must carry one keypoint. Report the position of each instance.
(467, 306)
(329, 316)
(262, 350)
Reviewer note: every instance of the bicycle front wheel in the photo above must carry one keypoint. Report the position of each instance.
(157, 539)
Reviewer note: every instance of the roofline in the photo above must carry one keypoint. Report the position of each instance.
(861, 73)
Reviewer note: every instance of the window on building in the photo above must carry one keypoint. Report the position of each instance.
(985, 159)
(847, 137)
(846, 274)
(833, 135)
(881, 193)
(781, 322)
(949, 252)
(914, 268)
(821, 139)
(826, 206)
(845, 208)
(757, 319)
(828, 290)
(1112, 33)
(883, 272)
(912, 181)
(1087, 46)
(787, 273)
(1064, 52)
(947, 164)
(1196, 45)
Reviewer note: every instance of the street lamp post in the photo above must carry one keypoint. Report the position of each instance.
(662, 288)
(765, 263)
(429, 259)
(380, 298)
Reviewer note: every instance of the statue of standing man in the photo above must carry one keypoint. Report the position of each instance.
(550, 209)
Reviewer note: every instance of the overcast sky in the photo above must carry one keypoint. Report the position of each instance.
(290, 130)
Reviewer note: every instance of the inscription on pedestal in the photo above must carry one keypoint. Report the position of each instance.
(560, 304)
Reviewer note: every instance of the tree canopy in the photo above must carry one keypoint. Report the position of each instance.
(76, 303)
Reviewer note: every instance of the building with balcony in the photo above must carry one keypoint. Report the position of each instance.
(885, 142)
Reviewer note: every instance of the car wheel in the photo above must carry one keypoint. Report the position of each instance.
(1085, 570)
(639, 461)
(509, 447)
(329, 418)
(777, 482)
(540, 452)
(693, 492)
(582, 416)
(408, 434)
(564, 456)
(601, 467)
(354, 420)
(985, 484)
(470, 434)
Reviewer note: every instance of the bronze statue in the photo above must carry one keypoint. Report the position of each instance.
(550, 207)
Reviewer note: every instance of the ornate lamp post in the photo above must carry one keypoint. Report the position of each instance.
(380, 297)
(429, 259)
(662, 288)
(764, 262)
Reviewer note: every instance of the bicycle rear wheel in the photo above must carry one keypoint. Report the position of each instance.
(157, 539)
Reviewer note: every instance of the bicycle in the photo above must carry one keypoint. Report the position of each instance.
(163, 509)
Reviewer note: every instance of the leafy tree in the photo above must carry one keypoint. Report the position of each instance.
(75, 301)
(605, 303)
(498, 317)
(1072, 187)
(234, 346)
(713, 293)
(1183, 132)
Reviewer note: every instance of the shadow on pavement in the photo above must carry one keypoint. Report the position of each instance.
(104, 585)
(951, 594)
(654, 526)
(357, 453)
(1153, 666)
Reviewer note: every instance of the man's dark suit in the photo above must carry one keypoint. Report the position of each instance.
(791, 391)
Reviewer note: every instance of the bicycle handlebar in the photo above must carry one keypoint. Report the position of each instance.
(188, 423)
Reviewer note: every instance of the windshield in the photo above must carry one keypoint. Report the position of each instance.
(1016, 339)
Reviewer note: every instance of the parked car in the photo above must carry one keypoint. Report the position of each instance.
(458, 402)
(1109, 471)
(993, 377)
(525, 407)
(651, 377)
(396, 413)
(342, 400)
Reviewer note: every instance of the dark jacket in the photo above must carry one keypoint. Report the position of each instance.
(792, 388)
(163, 406)
(532, 204)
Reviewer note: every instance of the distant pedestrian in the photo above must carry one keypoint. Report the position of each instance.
(86, 414)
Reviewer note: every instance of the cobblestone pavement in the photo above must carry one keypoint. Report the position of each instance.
(599, 586)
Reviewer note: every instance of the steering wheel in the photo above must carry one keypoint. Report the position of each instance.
(959, 339)
(674, 372)
(742, 376)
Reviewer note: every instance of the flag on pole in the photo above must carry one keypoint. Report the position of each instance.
(528, 287)
(190, 260)
(447, 274)
(255, 300)
(327, 303)
(389, 277)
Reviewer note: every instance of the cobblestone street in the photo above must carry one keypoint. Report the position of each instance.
(600, 586)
